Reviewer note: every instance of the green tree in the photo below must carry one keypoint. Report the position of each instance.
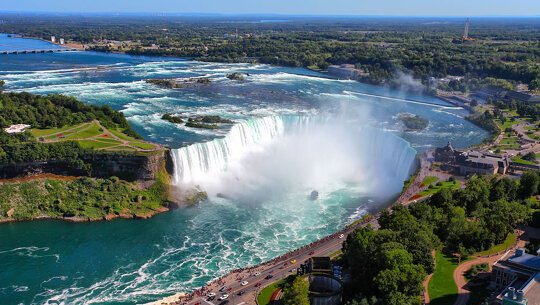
(297, 293)
(528, 184)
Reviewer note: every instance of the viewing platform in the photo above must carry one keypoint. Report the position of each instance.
(5, 52)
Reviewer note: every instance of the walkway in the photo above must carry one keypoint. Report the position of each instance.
(459, 273)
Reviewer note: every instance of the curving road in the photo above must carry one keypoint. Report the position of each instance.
(260, 276)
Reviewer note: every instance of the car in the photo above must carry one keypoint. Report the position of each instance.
(244, 283)
(293, 261)
(257, 273)
(211, 295)
(269, 276)
(312, 252)
(223, 297)
(341, 236)
(241, 292)
(293, 270)
(258, 284)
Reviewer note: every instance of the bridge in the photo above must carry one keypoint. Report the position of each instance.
(5, 52)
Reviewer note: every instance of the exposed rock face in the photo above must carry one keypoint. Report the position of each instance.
(129, 167)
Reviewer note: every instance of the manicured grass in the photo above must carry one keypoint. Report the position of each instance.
(429, 180)
(266, 293)
(444, 184)
(91, 131)
(142, 145)
(121, 135)
(442, 288)
(507, 243)
(94, 144)
(46, 132)
(518, 159)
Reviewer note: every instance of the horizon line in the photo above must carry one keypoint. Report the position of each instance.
(263, 14)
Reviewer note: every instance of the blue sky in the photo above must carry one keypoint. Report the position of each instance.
(294, 7)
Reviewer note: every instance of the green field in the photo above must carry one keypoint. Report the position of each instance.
(429, 180)
(508, 242)
(51, 132)
(443, 184)
(519, 159)
(442, 288)
(266, 293)
(89, 135)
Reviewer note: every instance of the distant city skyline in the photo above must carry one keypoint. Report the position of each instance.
(441, 8)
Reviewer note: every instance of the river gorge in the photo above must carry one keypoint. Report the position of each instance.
(294, 132)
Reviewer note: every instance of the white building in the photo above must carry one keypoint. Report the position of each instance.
(53, 39)
(17, 128)
(62, 41)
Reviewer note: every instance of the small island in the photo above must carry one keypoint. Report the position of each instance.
(236, 76)
(172, 118)
(413, 122)
(179, 83)
(203, 122)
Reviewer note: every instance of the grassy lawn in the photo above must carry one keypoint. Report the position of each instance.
(266, 293)
(444, 184)
(429, 180)
(46, 132)
(507, 243)
(142, 145)
(518, 159)
(442, 288)
(95, 144)
(85, 133)
(121, 135)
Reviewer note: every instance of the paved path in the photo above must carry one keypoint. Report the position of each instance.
(256, 277)
(459, 273)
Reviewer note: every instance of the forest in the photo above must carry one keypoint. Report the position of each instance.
(505, 49)
(460, 222)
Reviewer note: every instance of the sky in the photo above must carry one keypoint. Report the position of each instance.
(289, 7)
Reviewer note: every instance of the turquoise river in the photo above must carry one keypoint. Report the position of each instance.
(295, 132)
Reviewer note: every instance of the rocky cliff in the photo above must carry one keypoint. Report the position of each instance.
(129, 167)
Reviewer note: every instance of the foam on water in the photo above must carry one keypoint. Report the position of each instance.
(276, 110)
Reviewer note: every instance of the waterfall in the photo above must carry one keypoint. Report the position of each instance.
(358, 152)
(196, 161)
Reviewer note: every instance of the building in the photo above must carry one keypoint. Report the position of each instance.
(475, 162)
(16, 128)
(62, 41)
(492, 92)
(53, 39)
(346, 71)
(517, 276)
(471, 162)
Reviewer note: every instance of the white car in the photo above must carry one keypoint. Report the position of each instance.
(211, 295)
(244, 283)
(341, 236)
(223, 297)
(257, 274)
(293, 270)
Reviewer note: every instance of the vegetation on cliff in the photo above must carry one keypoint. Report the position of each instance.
(81, 199)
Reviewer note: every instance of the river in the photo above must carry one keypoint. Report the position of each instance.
(353, 150)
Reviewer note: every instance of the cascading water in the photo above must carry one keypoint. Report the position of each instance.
(311, 150)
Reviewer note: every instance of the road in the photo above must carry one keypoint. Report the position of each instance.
(278, 268)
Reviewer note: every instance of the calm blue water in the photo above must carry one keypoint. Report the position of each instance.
(135, 261)
(21, 44)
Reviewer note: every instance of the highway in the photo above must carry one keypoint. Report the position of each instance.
(257, 276)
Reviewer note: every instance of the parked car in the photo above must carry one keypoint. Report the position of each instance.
(244, 283)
